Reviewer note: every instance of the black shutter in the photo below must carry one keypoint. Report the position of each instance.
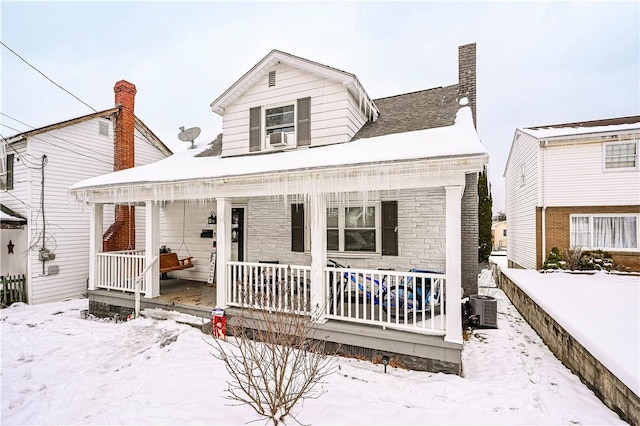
(297, 227)
(304, 121)
(254, 129)
(389, 228)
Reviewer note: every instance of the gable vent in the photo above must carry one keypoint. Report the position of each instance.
(272, 78)
(103, 129)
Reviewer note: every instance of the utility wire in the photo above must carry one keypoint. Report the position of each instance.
(42, 74)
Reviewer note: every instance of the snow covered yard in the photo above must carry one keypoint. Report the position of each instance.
(60, 369)
(600, 310)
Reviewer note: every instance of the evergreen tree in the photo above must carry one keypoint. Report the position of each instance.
(485, 207)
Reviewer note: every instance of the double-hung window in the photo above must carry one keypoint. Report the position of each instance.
(282, 125)
(280, 119)
(353, 229)
(621, 155)
(610, 232)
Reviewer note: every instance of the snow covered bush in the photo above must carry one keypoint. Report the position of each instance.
(597, 260)
(554, 260)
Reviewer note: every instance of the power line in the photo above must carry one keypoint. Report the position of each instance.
(42, 74)
(15, 119)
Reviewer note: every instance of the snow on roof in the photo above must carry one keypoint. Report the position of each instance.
(553, 132)
(5, 217)
(460, 139)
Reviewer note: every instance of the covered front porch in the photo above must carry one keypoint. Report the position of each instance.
(372, 252)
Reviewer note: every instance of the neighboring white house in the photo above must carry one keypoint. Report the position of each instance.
(310, 169)
(574, 185)
(38, 168)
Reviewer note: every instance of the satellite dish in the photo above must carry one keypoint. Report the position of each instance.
(189, 135)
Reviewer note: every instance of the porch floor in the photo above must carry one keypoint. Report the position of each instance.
(414, 351)
(174, 291)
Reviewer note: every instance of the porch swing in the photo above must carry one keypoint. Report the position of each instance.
(170, 261)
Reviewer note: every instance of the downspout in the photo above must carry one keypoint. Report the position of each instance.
(543, 145)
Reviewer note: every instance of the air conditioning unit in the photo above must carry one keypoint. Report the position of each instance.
(278, 139)
(485, 308)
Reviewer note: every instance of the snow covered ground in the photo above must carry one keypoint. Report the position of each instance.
(60, 369)
(601, 311)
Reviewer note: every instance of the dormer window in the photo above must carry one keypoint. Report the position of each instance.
(280, 119)
(280, 126)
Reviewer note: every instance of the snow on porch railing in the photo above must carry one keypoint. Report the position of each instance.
(411, 301)
(269, 286)
(117, 270)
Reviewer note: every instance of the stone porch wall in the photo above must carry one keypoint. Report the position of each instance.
(613, 393)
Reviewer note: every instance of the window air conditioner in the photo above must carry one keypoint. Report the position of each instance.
(278, 139)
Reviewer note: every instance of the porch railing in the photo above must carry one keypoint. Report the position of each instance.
(117, 270)
(269, 286)
(411, 301)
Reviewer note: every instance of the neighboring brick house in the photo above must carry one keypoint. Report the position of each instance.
(574, 185)
(309, 169)
(38, 167)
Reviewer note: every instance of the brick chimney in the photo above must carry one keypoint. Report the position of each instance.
(467, 76)
(122, 234)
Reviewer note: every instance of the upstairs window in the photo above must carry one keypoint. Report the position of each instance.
(621, 155)
(6, 177)
(280, 126)
(280, 120)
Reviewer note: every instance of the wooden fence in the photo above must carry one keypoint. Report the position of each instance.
(14, 289)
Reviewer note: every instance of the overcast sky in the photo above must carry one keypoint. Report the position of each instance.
(538, 62)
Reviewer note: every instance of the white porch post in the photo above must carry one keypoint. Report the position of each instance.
(453, 285)
(318, 213)
(152, 247)
(223, 233)
(95, 242)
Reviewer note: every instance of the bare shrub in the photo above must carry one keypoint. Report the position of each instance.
(275, 359)
(574, 258)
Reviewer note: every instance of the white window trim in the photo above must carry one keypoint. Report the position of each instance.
(348, 254)
(619, 169)
(263, 130)
(591, 234)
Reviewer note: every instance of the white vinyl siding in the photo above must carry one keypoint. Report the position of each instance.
(521, 201)
(576, 176)
(334, 117)
(189, 243)
(73, 153)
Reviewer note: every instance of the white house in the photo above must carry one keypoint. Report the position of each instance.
(39, 167)
(574, 185)
(309, 170)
